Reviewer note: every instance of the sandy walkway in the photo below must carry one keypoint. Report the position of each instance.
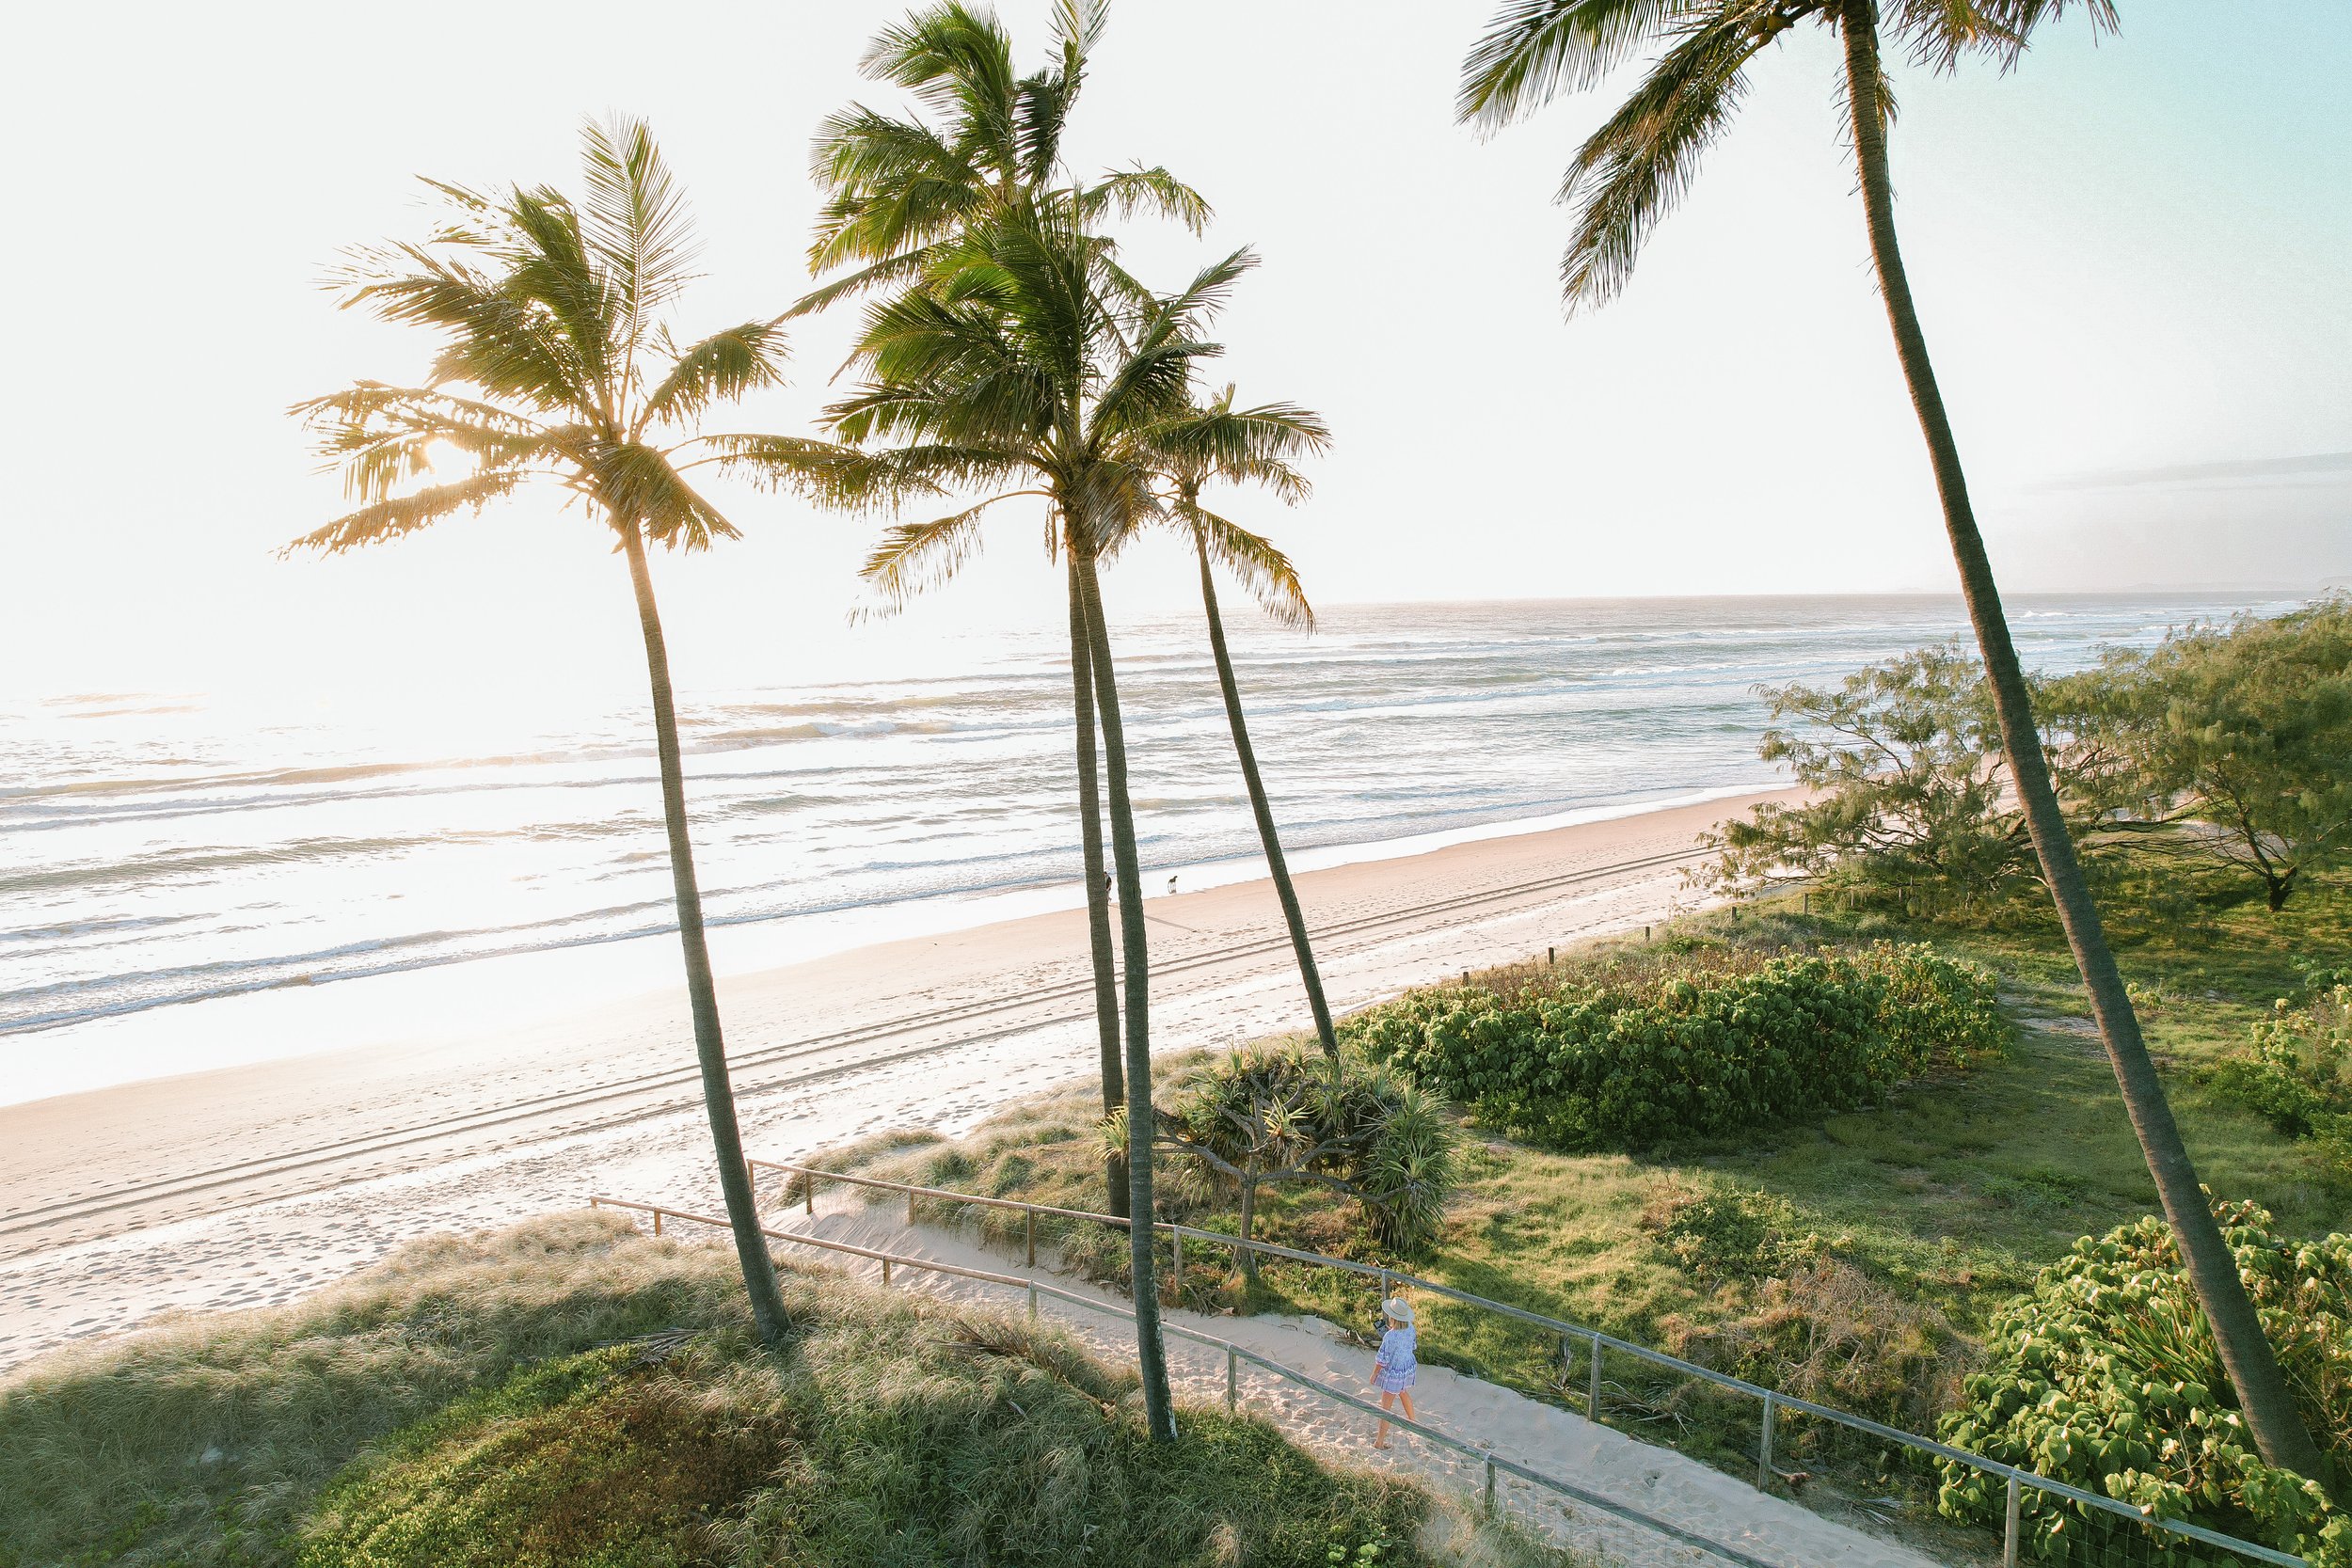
(1651, 1481)
(252, 1185)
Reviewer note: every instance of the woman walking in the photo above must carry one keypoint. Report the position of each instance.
(1393, 1371)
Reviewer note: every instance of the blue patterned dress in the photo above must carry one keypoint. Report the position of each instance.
(1392, 1372)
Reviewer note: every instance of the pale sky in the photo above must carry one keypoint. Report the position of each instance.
(2133, 259)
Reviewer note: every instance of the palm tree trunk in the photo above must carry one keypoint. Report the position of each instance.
(735, 1182)
(1151, 1354)
(1263, 809)
(2269, 1409)
(1098, 896)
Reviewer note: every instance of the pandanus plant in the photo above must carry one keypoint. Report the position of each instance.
(1623, 179)
(557, 369)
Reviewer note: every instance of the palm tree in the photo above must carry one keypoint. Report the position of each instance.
(551, 315)
(1250, 445)
(1623, 178)
(1033, 370)
(901, 192)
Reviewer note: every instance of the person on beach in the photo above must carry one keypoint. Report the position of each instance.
(1393, 1369)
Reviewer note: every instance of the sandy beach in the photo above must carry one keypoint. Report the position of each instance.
(251, 1185)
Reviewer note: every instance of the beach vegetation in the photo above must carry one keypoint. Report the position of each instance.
(558, 371)
(1631, 1053)
(1265, 1116)
(2226, 747)
(1857, 1259)
(2296, 1070)
(2242, 728)
(2104, 1374)
(572, 1391)
(1625, 177)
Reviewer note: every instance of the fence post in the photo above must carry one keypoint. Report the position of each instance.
(1176, 1263)
(1490, 1483)
(1028, 1225)
(1032, 1298)
(1591, 1391)
(2009, 1539)
(1764, 1449)
(1233, 1379)
(910, 1210)
(808, 1191)
(657, 1222)
(886, 1271)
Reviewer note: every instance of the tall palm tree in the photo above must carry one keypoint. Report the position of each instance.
(557, 366)
(1622, 181)
(901, 192)
(1249, 445)
(1034, 371)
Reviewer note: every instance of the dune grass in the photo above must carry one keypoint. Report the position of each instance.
(571, 1392)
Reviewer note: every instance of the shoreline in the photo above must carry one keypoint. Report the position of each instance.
(280, 1021)
(250, 1185)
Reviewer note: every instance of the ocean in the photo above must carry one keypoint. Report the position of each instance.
(161, 856)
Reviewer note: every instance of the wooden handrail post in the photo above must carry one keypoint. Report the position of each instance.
(808, 1191)
(1028, 1225)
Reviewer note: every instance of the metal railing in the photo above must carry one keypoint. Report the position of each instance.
(1494, 1465)
(1596, 1343)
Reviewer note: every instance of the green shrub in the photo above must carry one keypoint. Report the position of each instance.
(2297, 1073)
(1625, 1059)
(2106, 1376)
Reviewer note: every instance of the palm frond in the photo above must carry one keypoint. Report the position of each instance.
(1630, 172)
(636, 483)
(913, 557)
(495, 341)
(1535, 50)
(383, 436)
(1123, 193)
(1253, 559)
(396, 516)
(1939, 32)
(638, 228)
(720, 369)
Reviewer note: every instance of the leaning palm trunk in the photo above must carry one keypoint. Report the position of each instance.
(751, 1248)
(1151, 1354)
(1263, 811)
(2276, 1425)
(1098, 896)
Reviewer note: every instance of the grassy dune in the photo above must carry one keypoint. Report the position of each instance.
(570, 1392)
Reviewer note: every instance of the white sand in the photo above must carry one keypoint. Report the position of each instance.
(1635, 1475)
(253, 1186)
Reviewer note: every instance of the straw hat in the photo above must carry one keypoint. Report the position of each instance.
(1398, 1309)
